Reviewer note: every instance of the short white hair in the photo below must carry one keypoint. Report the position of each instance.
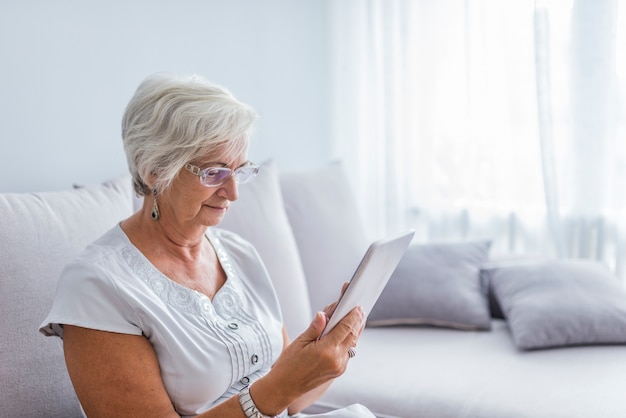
(170, 120)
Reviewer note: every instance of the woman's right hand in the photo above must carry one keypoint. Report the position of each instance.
(308, 362)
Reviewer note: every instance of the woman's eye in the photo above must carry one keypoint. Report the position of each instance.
(211, 172)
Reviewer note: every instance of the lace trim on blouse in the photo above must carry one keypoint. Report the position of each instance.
(226, 302)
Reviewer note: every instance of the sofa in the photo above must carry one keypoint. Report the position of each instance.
(456, 333)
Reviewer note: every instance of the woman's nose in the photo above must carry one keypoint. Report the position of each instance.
(230, 189)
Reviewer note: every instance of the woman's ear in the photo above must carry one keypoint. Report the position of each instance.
(151, 180)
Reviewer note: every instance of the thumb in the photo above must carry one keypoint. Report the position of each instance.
(317, 326)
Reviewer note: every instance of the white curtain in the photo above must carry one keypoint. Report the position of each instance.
(486, 119)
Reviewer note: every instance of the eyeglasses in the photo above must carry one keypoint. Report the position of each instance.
(216, 176)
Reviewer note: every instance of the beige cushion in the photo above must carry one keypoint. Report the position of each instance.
(39, 234)
(328, 228)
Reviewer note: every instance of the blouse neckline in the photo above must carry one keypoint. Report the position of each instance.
(225, 303)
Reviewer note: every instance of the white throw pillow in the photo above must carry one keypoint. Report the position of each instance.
(328, 228)
(259, 216)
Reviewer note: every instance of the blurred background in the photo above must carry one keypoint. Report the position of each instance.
(69, 68)
(463, 119)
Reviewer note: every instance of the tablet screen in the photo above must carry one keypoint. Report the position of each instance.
(371, 276)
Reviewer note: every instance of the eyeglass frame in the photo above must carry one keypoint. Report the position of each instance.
(201, 172)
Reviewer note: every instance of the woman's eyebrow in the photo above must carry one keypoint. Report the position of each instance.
(212, 164)
(221, 164)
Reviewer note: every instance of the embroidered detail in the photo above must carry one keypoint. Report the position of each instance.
(205, 305)
(226, 302)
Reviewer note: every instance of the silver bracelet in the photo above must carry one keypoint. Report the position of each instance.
(248, 406)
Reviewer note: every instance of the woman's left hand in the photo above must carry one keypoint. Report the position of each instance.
(309, 364)
(330, 308)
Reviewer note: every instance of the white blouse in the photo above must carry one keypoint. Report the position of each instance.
(207, 350)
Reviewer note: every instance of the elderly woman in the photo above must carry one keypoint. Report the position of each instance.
(167, 316)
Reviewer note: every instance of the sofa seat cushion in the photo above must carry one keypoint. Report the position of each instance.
(437, 372)
(39, 234)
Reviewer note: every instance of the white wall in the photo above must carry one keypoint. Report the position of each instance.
(68, 68)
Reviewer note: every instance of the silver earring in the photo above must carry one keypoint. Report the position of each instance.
(155, 208)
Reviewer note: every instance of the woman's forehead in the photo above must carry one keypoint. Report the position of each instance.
(228, 152)
(232, 158)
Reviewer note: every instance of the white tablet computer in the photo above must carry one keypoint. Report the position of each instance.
(371, 277)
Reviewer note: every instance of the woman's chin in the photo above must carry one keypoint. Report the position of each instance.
(213, 216)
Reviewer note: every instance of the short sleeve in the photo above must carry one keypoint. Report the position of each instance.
(86, 296)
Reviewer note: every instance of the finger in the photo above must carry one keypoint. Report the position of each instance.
(343, 288)
(315, 329)
(358, 332)
(330, 308)
(353, 339)
(347, 330)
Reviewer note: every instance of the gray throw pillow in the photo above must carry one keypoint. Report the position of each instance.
(437, 284)
(559, 303)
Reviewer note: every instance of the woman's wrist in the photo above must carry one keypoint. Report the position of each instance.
(248, 405)
(266, 398)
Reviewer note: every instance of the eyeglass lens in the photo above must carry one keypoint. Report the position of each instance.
(217, 176)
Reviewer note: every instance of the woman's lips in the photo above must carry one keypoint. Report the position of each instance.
(219, 208)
